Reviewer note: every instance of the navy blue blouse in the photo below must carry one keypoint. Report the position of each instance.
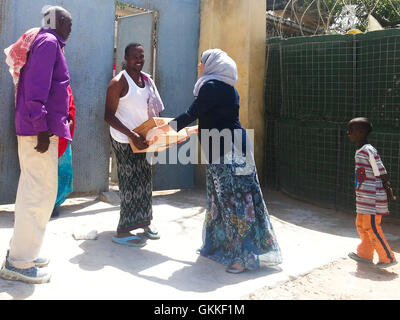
(216, 107)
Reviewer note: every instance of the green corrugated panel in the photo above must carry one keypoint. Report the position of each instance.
(318, 79)
(345, 194)
(271, 157)
(378, 77)
(325, 82)
(308, 160)
(273, 95)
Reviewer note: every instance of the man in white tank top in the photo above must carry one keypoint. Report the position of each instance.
(132, 98)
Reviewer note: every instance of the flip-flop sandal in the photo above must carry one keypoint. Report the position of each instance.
(381, 265)
(356, 257)
(234, 270)
(124, 241)
(153, 235)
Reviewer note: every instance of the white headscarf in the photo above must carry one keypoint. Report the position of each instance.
(217, 66)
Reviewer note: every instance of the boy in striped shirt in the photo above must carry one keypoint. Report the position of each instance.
(372, 194)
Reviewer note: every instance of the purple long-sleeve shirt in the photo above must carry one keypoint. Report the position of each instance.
(42, 95)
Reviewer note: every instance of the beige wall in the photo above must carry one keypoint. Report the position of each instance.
(239, 28)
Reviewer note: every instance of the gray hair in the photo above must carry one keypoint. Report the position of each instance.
(49, 20)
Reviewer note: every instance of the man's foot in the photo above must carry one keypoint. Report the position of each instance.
(357, 258)
(381, 265)
(55, 213)
(39, 262)
(30, 275)
(129, 240)
(151, 234)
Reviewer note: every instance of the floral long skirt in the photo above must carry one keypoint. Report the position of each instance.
(237, 227)
(135, 188)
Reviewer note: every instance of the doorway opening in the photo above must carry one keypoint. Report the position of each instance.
(133, 25)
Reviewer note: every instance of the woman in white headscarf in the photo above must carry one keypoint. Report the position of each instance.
(237, 229)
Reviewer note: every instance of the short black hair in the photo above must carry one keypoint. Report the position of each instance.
(362, 123)
(131, 45)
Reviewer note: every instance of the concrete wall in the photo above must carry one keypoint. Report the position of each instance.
(238, 27)
(9, 170)
(89, 54)
(176, 71)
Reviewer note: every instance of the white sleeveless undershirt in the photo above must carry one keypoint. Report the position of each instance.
(132, 108)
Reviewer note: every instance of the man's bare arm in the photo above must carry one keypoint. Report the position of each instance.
(114, 91)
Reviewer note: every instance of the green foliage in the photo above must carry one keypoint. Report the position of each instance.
(121, 6)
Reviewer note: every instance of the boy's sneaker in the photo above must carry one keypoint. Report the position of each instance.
(29, 275)
(381, 265)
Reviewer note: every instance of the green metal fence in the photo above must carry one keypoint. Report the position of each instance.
(314, 86)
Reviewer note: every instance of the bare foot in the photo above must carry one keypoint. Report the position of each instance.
(237, 266)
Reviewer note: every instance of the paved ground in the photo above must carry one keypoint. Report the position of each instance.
(311, 238)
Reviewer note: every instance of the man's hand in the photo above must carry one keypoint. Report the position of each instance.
(70, 123)
(43, 142)
(138, 141)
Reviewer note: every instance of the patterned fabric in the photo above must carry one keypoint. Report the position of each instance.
(17, 54)
(371, 197)
(63, 143)
(65, 176)
(154, 104)
(237, 227)
(135, 187)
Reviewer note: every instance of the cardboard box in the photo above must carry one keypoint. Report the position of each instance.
(165, 141)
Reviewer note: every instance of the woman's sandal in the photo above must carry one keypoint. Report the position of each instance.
(232, 269)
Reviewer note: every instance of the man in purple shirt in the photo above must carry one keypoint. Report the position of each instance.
(41, 117)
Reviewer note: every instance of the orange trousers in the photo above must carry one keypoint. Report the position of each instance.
(372, 238)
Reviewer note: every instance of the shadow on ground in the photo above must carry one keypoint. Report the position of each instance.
(365, 271)
(19, 291)
(205, 274)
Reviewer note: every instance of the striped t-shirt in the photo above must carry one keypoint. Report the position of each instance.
(371, 197)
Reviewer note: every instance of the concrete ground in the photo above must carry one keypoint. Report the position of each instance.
(170, 268)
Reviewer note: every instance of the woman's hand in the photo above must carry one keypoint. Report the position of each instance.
(153, 135)
(192, 130)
